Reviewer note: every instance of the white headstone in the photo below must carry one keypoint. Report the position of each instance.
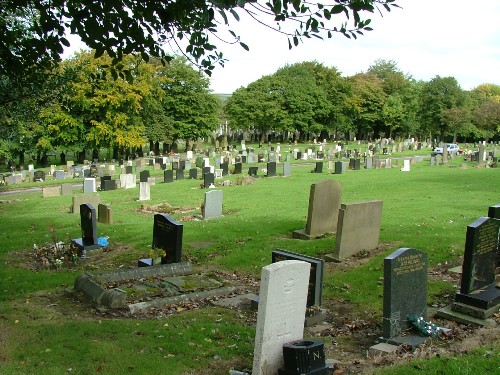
(89, 185)
(189, 155)
(212, 207)
(206, 162)
(282, 309)
(406, 166)
(31, 167)
(144, 191)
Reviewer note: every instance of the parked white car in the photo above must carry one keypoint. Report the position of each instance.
(451, 147)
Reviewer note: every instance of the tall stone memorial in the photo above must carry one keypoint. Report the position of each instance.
(405, 294)
(282, 308)
(323, 211)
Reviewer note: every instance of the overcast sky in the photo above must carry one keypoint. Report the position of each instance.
(426, 38)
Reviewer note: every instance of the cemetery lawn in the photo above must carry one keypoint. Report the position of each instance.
(47, 329)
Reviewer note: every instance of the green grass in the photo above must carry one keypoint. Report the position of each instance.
(427, 208)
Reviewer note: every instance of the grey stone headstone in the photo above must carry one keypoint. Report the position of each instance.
(323, 211)
(59, 175)
(77, 201)
(405, 290)
(144, 191)
(286, 169)
(212, 207)
(89, 185)
(67, 189)
(369, 162)
(104, 214)
(358, 228)
(179, 174)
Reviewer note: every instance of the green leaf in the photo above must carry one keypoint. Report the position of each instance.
(244, 46)
(145, 56)
(235, 15)
(98, 52)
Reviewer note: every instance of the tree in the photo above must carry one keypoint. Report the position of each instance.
(487, 118)
(32, 33)
(188, 102)
(438, 95)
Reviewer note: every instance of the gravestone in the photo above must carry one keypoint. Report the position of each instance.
(319, 167)
(88, 223)
(225, 169)
(315, 288)
(280, 318)
(237, 168)
(167, 235)
(77, 201)
(405, 294)
(66, 189)
(368, 164)
(323, 211)
(406, 165)
(494, 212)
(143, 176)
(59, 175)
(252, 171)
(168, 176)
(39, 176)
(271, 169)
(179, 174)
(338, 167)
(212, 206)
(128, 181)
(286, 169)
(51, 191)
(304, 357)
(144, 191)
(208, 180)
(206, 169)
(109, 185)
(479, 295)
(358, 228)
(129, 169)
(104, 214)
(193, 173)
(89, 185)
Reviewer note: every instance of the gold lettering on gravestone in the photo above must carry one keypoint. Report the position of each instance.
(164, 226)
(409, 264)
(487, 238)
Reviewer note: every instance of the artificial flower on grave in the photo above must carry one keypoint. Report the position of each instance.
(425, 328)
(157, 253)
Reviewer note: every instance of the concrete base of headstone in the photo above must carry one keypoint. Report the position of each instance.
(475, 312)
(382, 349)
(319, 317)
(448, 313)
(136, 307)
(409, 340)
(236, 301)
(302, 235)
(484, 299)
(78, 242)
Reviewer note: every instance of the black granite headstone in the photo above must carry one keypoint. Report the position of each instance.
(225, 168)
(167, 235)
(208, 179)
(237, 168)
(88, 223)
(338, 167)
(39, 175)
(271, 169)
(193, 173)
(109, 185)
(319, 167)
(128, 169)
(168, 176)
(303, 357)
(405, 290)
(252, 171)
(143, 175)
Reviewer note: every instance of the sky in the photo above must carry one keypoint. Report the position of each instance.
(425, 38)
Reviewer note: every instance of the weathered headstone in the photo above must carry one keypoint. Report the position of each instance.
(104, 214)
(323, 211)
(77, 201)
(280, 318)
(39, 176)
(212, 206)
(88, 222)
(51, 191)
(358, 228)
(405, 293)
(66, 189)
(144, 191)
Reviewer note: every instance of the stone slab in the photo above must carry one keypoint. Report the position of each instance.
(448, 313)
(383, 348)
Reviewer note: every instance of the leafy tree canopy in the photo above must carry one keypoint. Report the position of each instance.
(32, 33)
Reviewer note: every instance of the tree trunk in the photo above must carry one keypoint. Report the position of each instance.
(63, 158)
(21, 158)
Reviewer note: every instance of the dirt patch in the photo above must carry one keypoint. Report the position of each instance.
(165, 208)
